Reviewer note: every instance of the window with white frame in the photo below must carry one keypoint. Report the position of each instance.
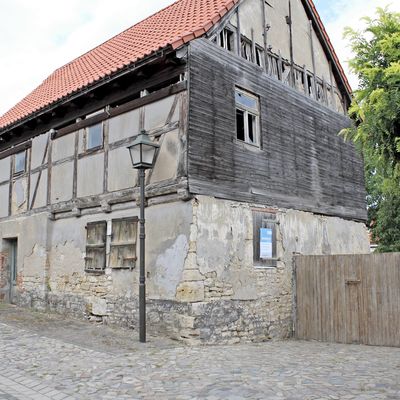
(247, 117)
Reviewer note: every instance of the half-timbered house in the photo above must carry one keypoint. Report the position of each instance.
(246, 99)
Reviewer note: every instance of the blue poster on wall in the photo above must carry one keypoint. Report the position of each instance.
(265, 243)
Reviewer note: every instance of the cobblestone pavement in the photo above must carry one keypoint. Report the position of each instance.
(49, 357)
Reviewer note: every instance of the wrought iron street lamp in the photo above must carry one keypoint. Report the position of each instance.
(142, 152)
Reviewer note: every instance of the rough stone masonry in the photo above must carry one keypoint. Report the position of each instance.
(203, 284)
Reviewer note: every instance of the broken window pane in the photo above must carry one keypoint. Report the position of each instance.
(226, 39)
(246, 49)
(240, 125)
(252, 127)
(259, 57)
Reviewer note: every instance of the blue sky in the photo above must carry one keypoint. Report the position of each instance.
(326, 9)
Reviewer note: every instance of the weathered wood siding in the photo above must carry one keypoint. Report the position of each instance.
(302, 163)
(349, 298)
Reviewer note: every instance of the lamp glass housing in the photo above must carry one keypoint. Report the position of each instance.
(143, 151)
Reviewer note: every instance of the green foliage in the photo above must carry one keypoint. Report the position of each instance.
(386, 230)
(376, 112)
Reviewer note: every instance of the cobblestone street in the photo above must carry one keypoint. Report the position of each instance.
(50, 357)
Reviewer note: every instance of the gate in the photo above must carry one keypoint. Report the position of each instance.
(348, 298)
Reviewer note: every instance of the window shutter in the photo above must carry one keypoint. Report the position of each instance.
(123, 243)
(96, 246)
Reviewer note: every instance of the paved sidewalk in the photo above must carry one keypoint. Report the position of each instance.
(49, 357)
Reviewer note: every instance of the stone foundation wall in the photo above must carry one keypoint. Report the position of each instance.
(202, 283)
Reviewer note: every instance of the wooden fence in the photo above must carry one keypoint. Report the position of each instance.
(348, 298)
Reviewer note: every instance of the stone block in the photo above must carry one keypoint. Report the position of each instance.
(99, 306)
(192, 275)
(186, 322)
(190, 292)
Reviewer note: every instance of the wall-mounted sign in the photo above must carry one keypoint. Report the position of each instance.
(265, 243)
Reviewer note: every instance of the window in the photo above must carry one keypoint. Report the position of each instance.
(123, 243)
(246, 49)
(94, 136)
(260, 60)
(226, 39)
(264, 239)
(247, 117)
(96, 236)
(20, 162)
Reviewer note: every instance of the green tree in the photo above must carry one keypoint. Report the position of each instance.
(376, 112)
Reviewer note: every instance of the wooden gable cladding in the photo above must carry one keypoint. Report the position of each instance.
(123, 243)
(302, 162)
(96, 240)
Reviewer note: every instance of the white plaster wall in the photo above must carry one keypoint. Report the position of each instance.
(5, 169)
(62, 182)
(41, 193)
(278, 34)
(224, 245)
(90, 175)
(31, 233)
(124, 126)
(38, 150)
(251, 18)
(156, 113)
(169, 154)
(4, 192)
(19, 199)
(64, 147)
(121, 175)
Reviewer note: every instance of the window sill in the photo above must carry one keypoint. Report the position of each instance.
(265, 267)
(95, 150)
(93, 272)
(248, 146)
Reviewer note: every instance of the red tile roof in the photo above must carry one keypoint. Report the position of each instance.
(173, 26)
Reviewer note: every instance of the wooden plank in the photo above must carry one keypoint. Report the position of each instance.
(221, 166)
(123, 245)
(15, 150)
(349, 298)
(95, 260)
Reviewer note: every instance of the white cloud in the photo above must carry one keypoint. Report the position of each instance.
(39, 36)
(349, 13)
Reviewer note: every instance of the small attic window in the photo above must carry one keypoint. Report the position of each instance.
(260, 60)
(246, 49)
(226, 39)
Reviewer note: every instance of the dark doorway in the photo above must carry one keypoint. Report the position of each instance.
(11, 250)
